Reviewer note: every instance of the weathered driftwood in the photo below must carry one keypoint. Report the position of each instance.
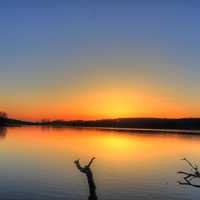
(90, 179)
(190, 176)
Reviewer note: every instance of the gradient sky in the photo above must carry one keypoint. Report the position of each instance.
(99, 59)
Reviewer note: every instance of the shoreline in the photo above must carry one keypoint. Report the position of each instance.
(118, 129)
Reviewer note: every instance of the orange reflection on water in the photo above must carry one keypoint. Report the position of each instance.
(105, 145)
(125, 160)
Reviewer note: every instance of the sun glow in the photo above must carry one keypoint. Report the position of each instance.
(101, 103)
(111, 103)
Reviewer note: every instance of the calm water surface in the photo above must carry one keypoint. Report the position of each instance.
(37, 164)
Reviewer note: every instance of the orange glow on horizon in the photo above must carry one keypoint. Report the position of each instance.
(104, 104)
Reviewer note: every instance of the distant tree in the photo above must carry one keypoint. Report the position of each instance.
(45, 121)
(3, 115)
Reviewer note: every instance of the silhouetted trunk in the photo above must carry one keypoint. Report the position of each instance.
(90, 179)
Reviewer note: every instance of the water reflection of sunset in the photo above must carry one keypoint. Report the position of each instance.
(82, 143)
(124, 160)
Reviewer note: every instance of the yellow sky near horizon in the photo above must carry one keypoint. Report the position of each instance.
(100, 104)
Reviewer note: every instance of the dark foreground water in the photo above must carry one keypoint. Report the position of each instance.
(37, 164)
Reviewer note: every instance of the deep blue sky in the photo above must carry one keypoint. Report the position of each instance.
(54, 53)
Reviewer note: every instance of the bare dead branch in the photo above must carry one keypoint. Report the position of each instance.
(194, 167)
(90, 179)
(91, 162)
(77, 163)
(188, 183)
(187, 174)
(189, 177)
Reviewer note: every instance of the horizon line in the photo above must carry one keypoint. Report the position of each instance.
(102, 119)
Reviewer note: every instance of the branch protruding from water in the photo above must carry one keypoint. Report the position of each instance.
(190, 176)
(89, 175)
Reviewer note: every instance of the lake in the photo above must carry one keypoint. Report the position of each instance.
(37, 164)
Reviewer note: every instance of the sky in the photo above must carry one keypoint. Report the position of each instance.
(99, 59)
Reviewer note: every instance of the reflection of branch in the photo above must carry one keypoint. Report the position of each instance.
(88, 172)
(2, 132)
(189, 177)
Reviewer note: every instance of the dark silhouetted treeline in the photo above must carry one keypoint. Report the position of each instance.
(14, 122)
(137, 123)
(145, 123)
(5, 121)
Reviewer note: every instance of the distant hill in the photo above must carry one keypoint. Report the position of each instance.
(13, 122)
(143, 123)
(147, 123)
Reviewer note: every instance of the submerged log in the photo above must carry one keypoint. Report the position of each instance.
(90, 178)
